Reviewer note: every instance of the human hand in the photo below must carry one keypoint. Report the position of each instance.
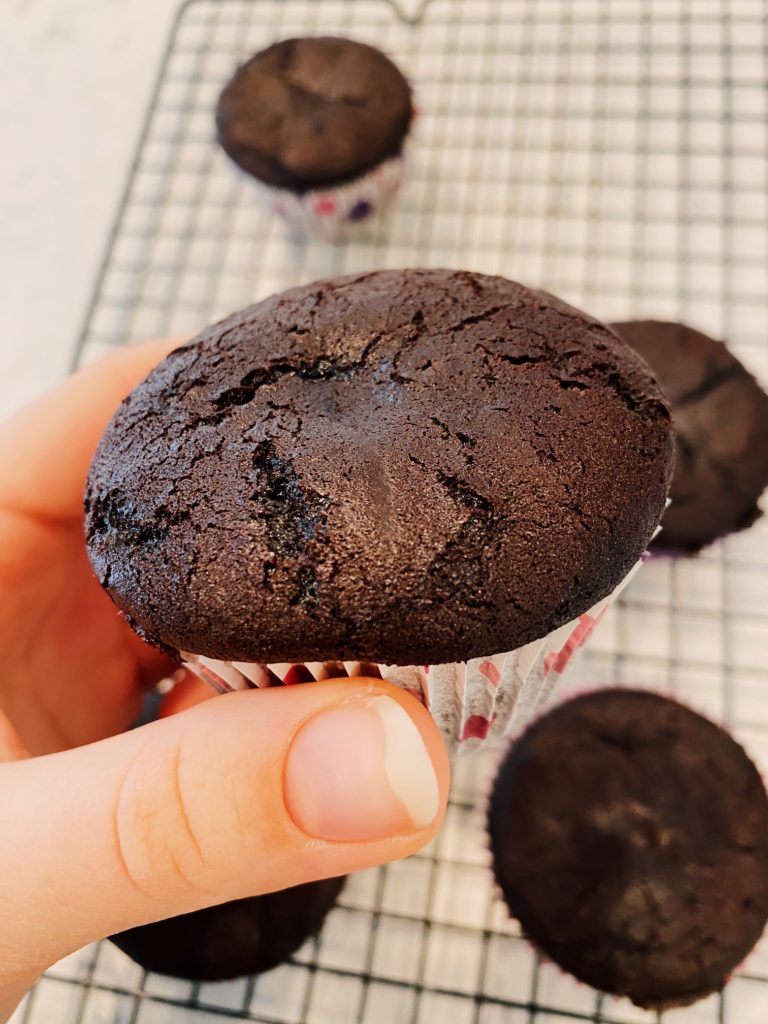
(230, 798)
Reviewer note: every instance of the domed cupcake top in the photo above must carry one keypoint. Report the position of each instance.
(407, 467)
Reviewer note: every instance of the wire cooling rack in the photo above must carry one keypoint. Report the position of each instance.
(613, 151)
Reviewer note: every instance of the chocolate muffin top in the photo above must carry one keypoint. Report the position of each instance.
(630, 839)
(720, 414)
(305, 113)
(400, 467)
(247, 936)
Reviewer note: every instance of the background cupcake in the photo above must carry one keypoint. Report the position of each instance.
(630, 839)
(321, 123)
(720, 414)
(248, 936)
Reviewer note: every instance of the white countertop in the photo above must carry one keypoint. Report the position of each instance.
(75, 77)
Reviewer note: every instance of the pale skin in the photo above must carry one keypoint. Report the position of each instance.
(105, 829)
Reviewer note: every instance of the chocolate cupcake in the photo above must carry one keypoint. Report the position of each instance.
(720, 415)
(408, 468)
(321, 123)
(248, 936)
(630, 839)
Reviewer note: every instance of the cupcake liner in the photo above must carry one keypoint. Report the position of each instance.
(333, 213)
(473, 702)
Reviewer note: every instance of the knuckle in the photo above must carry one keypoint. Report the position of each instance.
(159, 850)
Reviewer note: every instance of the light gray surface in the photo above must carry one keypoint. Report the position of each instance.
(75, 76)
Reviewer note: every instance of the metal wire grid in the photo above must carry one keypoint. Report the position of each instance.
(614, 151)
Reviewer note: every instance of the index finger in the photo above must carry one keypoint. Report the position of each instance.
(47, 447)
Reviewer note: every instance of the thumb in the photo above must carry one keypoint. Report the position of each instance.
(241, 795)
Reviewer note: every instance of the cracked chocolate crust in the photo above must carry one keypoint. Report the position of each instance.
(244, 937)
(402, 467)
(307, 113)
(630, 840)
(720, 414)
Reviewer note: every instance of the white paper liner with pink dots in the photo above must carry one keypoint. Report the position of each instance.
(333, 213)
(473, 702)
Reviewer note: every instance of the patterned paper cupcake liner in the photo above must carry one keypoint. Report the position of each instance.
(473, 702)
(337, 212)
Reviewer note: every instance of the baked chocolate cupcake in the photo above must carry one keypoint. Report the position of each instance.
(720, 414)
(248, 936)
(630, 839)
(321, 122)
(406, 468)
